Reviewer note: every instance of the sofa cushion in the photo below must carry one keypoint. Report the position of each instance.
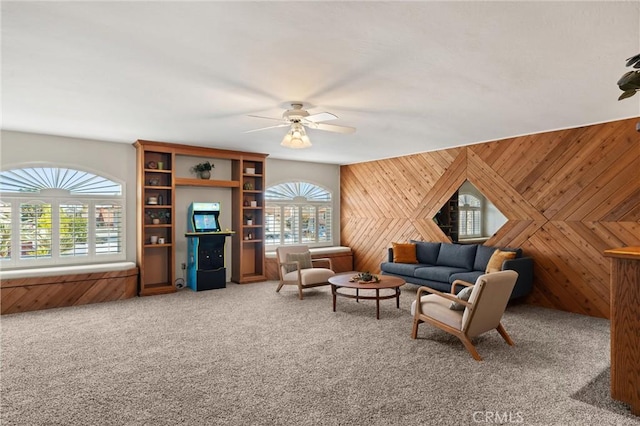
(436, 273)
(483, 254)
(427, 252)
(457, 255)
(404, 253)
(497, 259)
(469, 277)
(400, 268)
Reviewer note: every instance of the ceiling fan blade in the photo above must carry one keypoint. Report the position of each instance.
(321, 116)
(266, 118)
(265, 128)
(334, 128)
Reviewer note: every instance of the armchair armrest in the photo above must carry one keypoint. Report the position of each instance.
(292, 262)
(324, 259)
(459, 282)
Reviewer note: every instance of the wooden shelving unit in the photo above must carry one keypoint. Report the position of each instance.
(180, 181)
(157, 179)
(249, 220)
(448, 218)
(155, 216)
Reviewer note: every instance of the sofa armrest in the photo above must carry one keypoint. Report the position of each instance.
(524, 267)
(390, 255)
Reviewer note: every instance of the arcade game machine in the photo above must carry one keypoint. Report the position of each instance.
(205, 247)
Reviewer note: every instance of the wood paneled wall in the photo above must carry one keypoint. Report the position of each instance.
(36, 293)
(568, 195)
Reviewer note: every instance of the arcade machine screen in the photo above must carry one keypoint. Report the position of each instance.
(205, 222)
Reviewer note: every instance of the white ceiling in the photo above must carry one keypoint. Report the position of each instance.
(410, 76)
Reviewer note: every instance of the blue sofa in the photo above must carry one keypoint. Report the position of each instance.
(440, 264)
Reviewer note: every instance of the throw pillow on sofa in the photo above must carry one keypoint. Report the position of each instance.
(463, 294)
(404, 253)
(497, 259)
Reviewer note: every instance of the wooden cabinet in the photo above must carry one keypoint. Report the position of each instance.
(625, 325)
(249, 221)
(155, 239)
(156, 194)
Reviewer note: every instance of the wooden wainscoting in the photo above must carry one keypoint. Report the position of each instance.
(568, 195)
(35, 293)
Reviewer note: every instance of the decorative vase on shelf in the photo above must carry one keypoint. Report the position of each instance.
(205, 174)
(155, 221)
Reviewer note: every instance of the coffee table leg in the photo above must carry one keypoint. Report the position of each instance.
(398, 297)
(333, 292)
(377, 304)
(357, 295)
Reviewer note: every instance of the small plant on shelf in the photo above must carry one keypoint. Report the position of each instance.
(248, 219)
(203, 170)
(157, 216)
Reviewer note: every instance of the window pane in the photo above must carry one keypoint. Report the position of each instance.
(40, 178)
(5, 231)
(108, 229)
(324, 224)
(74, 220)
(35, 231)
(297, 212)
(291, 225)
(469, 201)
(470, 215)
(308, 224)
(272, 221)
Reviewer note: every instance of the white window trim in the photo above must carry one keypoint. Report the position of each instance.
(281, 204)
(16, 198)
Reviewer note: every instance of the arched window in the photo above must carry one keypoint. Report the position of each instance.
(59, 216)
(470, 208)
(298, 213)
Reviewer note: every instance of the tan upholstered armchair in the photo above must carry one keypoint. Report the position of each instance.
(482, 312)
(296, 267)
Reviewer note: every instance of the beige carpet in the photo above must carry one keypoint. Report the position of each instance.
(246, 355)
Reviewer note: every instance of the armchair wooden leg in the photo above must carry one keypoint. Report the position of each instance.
(414, 330)
(279, 286)
(299, 292)
(504, 334)
(472, 349)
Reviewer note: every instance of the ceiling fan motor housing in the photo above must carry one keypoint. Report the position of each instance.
(296, 114)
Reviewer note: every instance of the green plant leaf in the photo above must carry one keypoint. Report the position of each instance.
(630, 80)
(627, 94)
(634, 60)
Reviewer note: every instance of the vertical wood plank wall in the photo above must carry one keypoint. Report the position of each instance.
(568, 195)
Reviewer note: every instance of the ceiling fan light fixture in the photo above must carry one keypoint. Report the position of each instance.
(296, 137)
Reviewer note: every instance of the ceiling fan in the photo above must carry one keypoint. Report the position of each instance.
(297, 119)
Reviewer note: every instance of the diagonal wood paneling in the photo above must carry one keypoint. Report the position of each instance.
(568, 195)
(35, 293)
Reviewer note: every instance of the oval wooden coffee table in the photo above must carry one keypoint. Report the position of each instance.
(386, 281)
